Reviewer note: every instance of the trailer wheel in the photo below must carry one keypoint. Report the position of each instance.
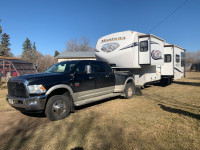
(58, 107)
(168, 81)
(171, 80)
(129, 90)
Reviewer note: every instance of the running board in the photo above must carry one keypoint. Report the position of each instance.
(94, 99)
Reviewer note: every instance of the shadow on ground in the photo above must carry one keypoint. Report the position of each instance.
(187, 83)
(19, 131)
(179, 111)
(79, 128)
(77, 148)
(36, 115)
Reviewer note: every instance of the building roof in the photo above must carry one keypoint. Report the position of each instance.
(14, 60)
(67, 54)
(3, 57)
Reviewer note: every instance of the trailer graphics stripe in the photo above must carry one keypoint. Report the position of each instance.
(156, 54)
(178, 70)
(128, 46)
(109, 47)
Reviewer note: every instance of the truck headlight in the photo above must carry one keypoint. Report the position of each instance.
(36, 89)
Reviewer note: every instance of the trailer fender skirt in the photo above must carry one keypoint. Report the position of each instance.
(138, 90)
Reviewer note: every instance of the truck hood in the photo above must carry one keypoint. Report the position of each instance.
(42, 78)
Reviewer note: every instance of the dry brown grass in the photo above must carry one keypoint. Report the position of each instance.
(162, 118)
(3, 104)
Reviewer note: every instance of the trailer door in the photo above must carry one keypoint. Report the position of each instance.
(168, 68)
(144, 51)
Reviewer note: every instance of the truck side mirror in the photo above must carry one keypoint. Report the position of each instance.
(88, 69)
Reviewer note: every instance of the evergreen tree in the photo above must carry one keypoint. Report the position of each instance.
(27, 53)
(34, 47)
(0, 28)
(34, 50)
(5, 43)
(1, 50)
(56, 53)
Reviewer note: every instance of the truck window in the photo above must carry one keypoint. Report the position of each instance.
(177, 58)
(62, 67)
(81, 68)
(168, 58)
(143, 46)
(182, 59)
(108, 68)
(98, 67)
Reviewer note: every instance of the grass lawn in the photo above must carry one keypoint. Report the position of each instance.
(4, 105)
(162, 118)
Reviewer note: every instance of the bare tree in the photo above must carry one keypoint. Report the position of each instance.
(79, 45)
(193, 57)
(44, 62)
(84, 44)
(73, 45)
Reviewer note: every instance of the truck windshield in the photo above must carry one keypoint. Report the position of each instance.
(62, 67)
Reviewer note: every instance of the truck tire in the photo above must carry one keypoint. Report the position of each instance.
(129, 90)
(57, 107)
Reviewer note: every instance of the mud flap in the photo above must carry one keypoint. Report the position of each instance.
(138, 90)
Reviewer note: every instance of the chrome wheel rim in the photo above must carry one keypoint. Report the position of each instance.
(58, 108)
(130, 92)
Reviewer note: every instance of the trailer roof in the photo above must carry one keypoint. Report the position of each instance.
(173, 45)
(149, 35)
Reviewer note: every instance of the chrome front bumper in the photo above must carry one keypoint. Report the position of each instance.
(36, 103)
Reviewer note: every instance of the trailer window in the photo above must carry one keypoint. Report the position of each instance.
(182, 59)
(177, 58)
(143, 46)
(168, 58)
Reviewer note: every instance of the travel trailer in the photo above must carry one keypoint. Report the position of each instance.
(147, 56)
(174, 62)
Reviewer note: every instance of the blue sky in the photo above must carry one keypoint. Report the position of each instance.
(51, 23)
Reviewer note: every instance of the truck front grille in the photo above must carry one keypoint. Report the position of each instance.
(17, 89)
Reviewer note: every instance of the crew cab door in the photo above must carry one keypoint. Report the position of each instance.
(83, 83)
(104, 77)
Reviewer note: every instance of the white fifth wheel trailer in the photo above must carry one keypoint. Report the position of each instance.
(145, 55)
(174, 62)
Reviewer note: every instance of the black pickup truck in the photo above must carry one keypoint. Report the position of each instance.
(68, 84)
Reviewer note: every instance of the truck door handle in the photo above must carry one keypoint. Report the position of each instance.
(107, 76)
(91, 77)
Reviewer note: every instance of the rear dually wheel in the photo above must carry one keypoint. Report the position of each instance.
(129, 90)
